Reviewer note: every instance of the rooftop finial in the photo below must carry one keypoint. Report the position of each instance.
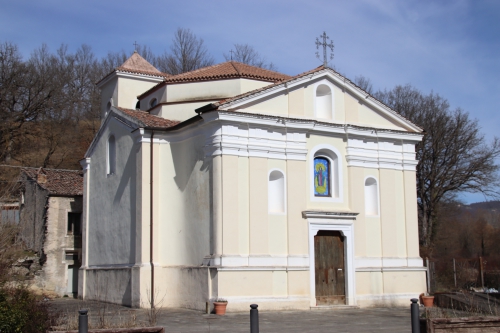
(135, 47)
(324, 37)
(231, 51)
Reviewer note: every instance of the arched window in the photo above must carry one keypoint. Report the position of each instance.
(324, 102)
(111, 158)
(325, 174)
(153, 103)
(138, 105)
(322, 177)
(371, 196)
(276, 192)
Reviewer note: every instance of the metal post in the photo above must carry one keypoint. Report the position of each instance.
(454, 272)
(481, 270)
(428, 276)
(254, 319)
(83, 321)
(415, 313)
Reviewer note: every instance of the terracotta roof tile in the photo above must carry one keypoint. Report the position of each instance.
(57, 181)
(137, 63)
(227, 70)
(145, 119)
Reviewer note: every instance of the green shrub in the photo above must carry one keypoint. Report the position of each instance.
(22, 311)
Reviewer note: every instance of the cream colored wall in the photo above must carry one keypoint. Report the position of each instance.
(180, 112)
(411, 215)
(182, 201)
(129, 89)
(275, 105)
(259, 227)
(296, 203)
(392, 213)
(247, 85)
(203, 90)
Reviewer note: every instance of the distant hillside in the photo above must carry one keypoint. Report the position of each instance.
(486, 205)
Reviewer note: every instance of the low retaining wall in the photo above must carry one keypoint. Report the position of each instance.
(461, 325)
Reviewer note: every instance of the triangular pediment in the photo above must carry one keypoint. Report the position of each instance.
(296, 98)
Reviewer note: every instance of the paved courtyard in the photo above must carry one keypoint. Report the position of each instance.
(189, 321)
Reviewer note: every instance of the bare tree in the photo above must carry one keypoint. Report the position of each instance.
(364, 83)
(248, 55)
(188, 53)
(453, 155)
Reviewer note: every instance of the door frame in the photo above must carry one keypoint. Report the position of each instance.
(344, 223)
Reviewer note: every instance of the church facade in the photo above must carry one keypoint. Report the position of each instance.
(238, 182)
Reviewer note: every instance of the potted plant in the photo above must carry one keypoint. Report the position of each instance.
(220, 305)
(427, 300)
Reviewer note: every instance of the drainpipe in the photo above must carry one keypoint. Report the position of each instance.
(151, 220)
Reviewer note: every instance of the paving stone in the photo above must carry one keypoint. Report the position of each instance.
(190, 321)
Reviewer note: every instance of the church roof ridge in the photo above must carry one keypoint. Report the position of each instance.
(226, 70)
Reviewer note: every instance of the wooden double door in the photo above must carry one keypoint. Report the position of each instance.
(329, 268)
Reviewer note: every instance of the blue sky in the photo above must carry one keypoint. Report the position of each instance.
(449, 47)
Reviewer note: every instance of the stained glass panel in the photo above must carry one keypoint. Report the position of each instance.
(321, 177)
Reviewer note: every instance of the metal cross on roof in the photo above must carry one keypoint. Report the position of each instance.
(135, 46)
(231, 51)
(324, 37)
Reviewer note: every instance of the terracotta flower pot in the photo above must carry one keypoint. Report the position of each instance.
(220, 308)
(428, 301)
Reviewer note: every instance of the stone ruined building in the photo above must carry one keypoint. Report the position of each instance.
(50, 223)
(239, 182)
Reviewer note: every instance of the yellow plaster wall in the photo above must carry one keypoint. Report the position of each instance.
(129, 89)
(392, 204)
(277, 224)
(371, 118)
(309, 95)
(404, 282)
(243, 206)
(247, 85)
(245, 283)
(296, 204)
(182, 111)
(259, 238)
(203, 90)
(183, 219)
(296, 102)
(275, 105)
(411, 214)
(369, 283)
(339, 105)
(357, 204)
(351, 109)
(230, 204)
(298, 283)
